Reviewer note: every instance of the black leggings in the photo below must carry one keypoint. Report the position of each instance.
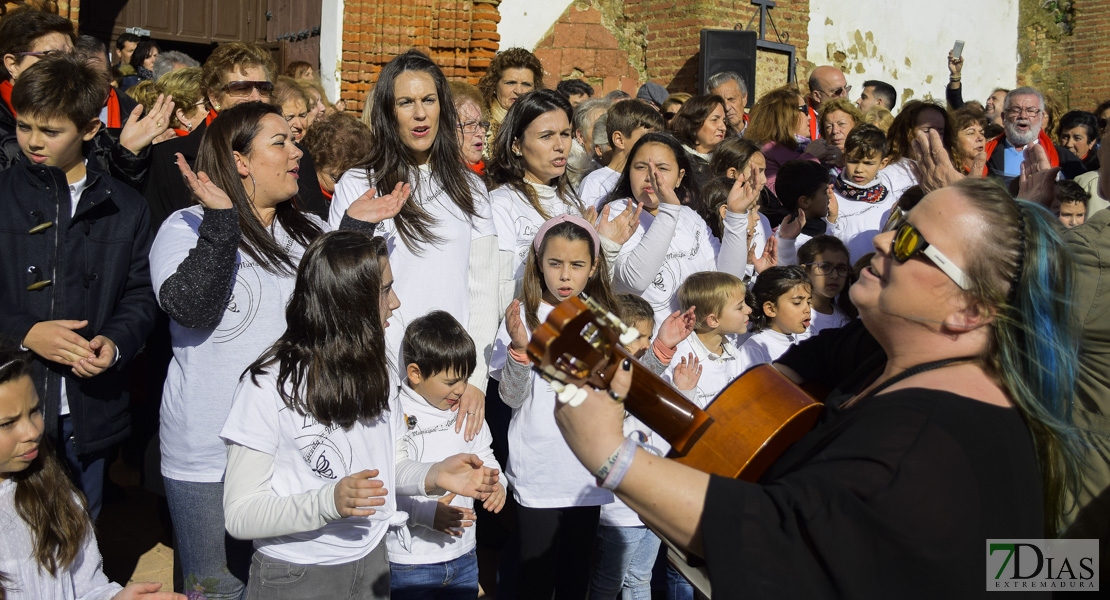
(556, 545)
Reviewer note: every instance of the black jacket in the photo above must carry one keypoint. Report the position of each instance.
(97, 262)
(103, 152)
(166, 193)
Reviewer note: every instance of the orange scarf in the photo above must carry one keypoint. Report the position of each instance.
(208, 120)
(114, 118)
(1042, 139)
(479, 167)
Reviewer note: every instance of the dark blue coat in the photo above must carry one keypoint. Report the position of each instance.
(98, 265)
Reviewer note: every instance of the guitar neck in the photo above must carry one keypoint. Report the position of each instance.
(663, 408)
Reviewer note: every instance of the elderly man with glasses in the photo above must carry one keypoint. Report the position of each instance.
(825, 83)
(1023, 116)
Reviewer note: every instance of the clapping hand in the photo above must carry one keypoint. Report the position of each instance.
(677, 327)
(791, 226)
(452, 519)
(620, 228)
(687, 373)
(769, 257)
(372, 208)
(743, 195)
(1037, 180)
(355, 494)
(138, 133)
(207, 193)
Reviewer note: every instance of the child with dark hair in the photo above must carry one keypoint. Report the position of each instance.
(781, 313)
(49, 549)
(437, 545)
(1074, 202)
(76, 280)
(806, 195)
(625, 124)
(863, 201)
(825, 259)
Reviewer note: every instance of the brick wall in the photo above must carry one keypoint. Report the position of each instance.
(1073, 65)
(69, 9)
(619, 44)
(461, 37)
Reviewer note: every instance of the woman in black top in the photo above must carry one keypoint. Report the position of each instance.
(949, 421)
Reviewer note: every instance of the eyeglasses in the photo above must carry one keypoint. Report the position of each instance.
(474, 126)
(803, 109)
(827, 268)
(1016, 111)
(42, 53)
(908, 242)
(242, 89)
(670, 114)
(838, 92)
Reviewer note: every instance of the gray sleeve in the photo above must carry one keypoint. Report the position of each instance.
(516, 383)
(196, 293)
(652, 362)
(349, 223)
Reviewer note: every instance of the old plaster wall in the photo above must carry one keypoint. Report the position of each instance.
(906, 43)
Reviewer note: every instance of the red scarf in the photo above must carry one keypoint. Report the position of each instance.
(181, 132)
(479, 167)
(1042, 139)
(6, 94)
(114, 118)
(327, 194)
(211, 115)
(814, 133)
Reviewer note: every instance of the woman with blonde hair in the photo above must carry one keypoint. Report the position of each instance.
(779, 123)
(838, 117)
(184, 86)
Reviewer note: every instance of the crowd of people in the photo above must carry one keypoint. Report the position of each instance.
(321, 321)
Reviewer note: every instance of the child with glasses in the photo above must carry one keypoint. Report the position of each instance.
(825, 259)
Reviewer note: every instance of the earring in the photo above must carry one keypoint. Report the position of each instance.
(217, 108)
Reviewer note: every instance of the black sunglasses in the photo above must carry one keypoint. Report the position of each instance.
(244, 88)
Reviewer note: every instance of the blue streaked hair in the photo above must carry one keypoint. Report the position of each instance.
(1023, 271)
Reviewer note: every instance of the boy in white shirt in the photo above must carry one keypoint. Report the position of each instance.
(625, 122)
(433, 554)
(864, 202)
(722, 314)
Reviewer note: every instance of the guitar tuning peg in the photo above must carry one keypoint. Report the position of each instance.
(550, 373)
(628, 336)
(569, 393)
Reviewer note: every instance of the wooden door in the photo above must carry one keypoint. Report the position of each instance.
(295, 24)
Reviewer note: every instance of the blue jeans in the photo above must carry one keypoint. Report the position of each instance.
(86, 471)
(212, 562)
(677, 586)
(623, 559)
(456, 578)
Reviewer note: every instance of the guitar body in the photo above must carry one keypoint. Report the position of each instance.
(753, 421)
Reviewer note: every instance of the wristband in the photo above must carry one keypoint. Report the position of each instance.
(620, 467)
(953, 79)
(662, 352)
(608, 464)
(520, 357)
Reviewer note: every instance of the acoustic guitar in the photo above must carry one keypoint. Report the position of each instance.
(739, 435)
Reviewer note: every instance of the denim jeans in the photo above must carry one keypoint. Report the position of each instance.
(454, 579)
(85, 471)
(677, 586)
(623, 559)
(364, 579)
(213, 563)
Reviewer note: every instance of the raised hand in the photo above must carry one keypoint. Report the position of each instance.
(138, 133)
(768, 258)
(955, 65)
(59, 341)
(743, 195)
(621, 227)
(1037, 180)
(518, 332)
(208, 194)
(791, 226)
(677, 327)
(375, 209)
(355, 494)
(472, 409)
(452, 519)
(687, 373)
(933, 167)
(664, 191)
(834, 206)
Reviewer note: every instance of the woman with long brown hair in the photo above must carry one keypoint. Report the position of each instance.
(917, 116)
(49, 550)
(779, 124)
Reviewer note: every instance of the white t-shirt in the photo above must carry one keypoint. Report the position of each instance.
(543, 471)
(207, 363)
(717, 370)
(436, 276)
(766, 347)
(431, 440)
(596, 186)
(819, 322)
(83, 580)
(617, 513)
(898, 177)
(859, 222)
(516, 221)
(308, 456)
(692, 248)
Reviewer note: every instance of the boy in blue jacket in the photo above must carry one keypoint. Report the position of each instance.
(75, 280)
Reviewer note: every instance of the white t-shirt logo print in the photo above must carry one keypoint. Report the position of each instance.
(328, 455)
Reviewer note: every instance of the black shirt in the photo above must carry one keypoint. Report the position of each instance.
(892, 497)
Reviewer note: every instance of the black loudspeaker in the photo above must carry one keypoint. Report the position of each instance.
(727, 50)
